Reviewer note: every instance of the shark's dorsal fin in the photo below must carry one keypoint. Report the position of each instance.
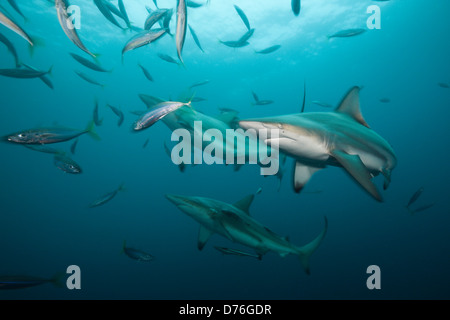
(350, 106)
(228, 117)
(245, 203)
(203, 235)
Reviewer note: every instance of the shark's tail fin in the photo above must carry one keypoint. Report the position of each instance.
(307, 250)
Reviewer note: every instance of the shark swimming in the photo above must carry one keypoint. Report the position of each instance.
(234, 222)
(339, 138)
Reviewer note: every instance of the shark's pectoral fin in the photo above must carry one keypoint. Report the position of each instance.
(356, 168)
(302, 174)
(387, 178)
(203, 235)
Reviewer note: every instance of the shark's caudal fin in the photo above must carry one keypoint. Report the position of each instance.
(350, 106)
(302, 174)
(356, 168)
(307, 250)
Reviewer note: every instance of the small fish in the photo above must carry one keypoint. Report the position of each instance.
(193, 4)
(237, 252)
(347, 33)
(414, 197)
(167, 58)
(91, 65)
(322, 104)
(423, 208)
(246, 36)
(385, 100)
(106, 12)
(66, 164)
(260, 102)
(197, 84)
(259, 190)
(145, 144)
(158, 112)
(235, 44)
(21, 73)
(166, 21)
(154, 17)
(269, 49)
(194, 36)
(443, 85)
(21, 282)
(86, 78)
(67, 25)
(146, 73)
(142, 39)
(50, 135)
(10, 48)
(97, 120)
(136, 254)
(198, 99)
(107, 197)
(124, 13)
(16, 7)
(44, 78)
(118, 113)
(296, 7)
(181, 27)
(243, 16)
(4, 20)
(73, 146)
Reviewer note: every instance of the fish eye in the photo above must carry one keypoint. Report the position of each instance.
(21, 135)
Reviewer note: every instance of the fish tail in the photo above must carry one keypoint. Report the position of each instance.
(35, 42)
(58, 280)
(121, 187)
(124, 245)
(49, 72)
(409, 210)
(307, 250)
(90, 130)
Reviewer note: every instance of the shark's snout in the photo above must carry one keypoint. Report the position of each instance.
(179, 200)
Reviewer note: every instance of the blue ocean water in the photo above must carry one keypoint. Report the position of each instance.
(47, 225)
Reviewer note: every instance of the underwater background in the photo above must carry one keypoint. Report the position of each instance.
(46, 224)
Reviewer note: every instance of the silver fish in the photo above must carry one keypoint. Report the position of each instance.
(143, 39)
(21, 73)
(414, 197)
(118, 113)
(246, 36)
(243, 16)
(7, 22)
(201, 83)
(235, 44)
(21, 282)
(146, 72)
(347, 33)
(67, 25)
(106, 12)
(154, 17)
(16, 7)
(136, 254)
(50, 135)
(86, 78)
(66, 164)
(167, 58)
(106, 197)
(423, 208)
(97, 120)
(269, 49)
(124, 13)
(236, 252)
(194, 36)
(89, 64)
(181, 27)
(158, 112)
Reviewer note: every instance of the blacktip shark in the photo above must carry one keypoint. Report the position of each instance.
(339, 138)
(234, 222)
